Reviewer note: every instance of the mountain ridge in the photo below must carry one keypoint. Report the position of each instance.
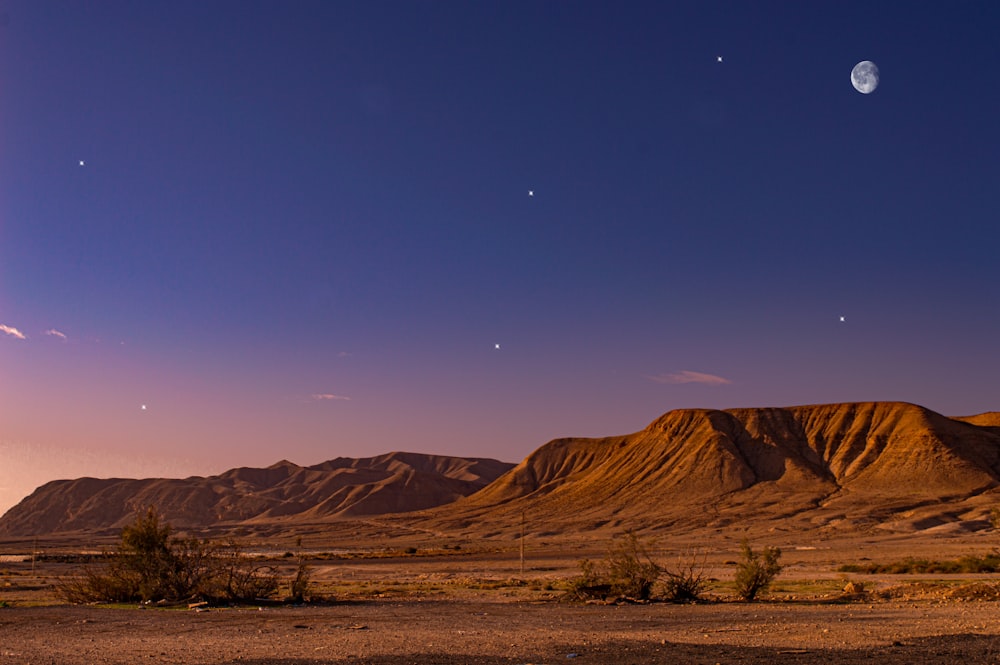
(393, 482)
(820, 464)
(890, 466)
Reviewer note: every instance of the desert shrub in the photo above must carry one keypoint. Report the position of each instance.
(93, 585)
(146, 557)
(151, 565)
(686, 581)
(631, 572)
(627, 571)
(234, 576)
(300, 583)
(588, 583)
(755, 571)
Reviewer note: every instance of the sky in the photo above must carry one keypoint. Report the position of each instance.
(238, 232)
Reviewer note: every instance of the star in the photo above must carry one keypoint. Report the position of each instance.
(496, 346)
(718, 58)
(81, 162)
(143, 407)
(531, 192)
(841, 319)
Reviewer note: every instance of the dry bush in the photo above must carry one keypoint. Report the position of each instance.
(300, 584)
(755, 572)
(686, 581)
(630, 570)
(235, 576)
(588, 584)
(111, 584)
(149, 565)
(627, 571)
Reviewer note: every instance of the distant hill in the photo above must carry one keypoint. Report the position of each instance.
(343, 487)
(822, 470)
(882, 465)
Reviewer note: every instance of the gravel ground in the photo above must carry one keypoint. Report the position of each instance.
(481, 631)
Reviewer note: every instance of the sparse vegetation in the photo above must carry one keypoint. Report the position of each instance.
(628, 571)
(300, 584)
(150, 565)
(755, 571)
(988, 563)
(686, 582)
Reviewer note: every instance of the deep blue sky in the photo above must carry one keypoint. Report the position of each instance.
(281, 201)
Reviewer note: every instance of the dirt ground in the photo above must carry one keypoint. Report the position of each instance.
(481, 631)
(477, 605)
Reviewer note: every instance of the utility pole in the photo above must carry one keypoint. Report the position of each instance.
(522, 543)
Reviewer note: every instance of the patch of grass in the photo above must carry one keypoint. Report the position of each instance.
(988, 563)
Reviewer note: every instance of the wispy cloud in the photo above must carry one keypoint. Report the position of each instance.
(12, 331)
(686, 376)
(344, 354)
(322, 397)
(52, 332)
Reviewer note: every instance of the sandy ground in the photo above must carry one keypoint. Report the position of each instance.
(482, 631)
(480, 607)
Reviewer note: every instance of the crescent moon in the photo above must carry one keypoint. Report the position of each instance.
(864, 77)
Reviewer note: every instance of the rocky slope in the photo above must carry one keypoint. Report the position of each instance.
(863, 465)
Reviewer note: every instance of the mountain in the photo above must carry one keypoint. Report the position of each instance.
(884, 465)
(343, 487)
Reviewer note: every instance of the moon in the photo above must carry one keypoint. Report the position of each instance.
(864, 77)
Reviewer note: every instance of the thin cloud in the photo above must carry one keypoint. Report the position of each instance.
(344, 354)
(323, 397)
(12, 331)
(686, 376)
(52, 332)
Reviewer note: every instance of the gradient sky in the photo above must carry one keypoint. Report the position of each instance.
(300, 229)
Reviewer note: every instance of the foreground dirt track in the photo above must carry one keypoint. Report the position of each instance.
(452, 632)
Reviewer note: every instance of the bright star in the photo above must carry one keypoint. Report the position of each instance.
(81, 162)
(841, 319)
(143, 407)
(531, 192)
(718, 59)
(496, 346)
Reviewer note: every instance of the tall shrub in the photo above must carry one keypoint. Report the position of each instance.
(755, 571)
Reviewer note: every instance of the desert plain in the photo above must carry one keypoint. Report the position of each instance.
(487, 577)
(419, 603)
